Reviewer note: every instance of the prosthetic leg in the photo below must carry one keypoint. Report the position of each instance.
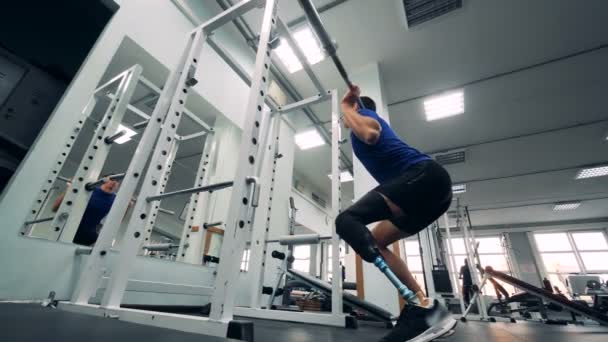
(351, 226)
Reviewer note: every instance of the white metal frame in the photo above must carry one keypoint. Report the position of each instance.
(69, 214)
(123, 80)
(161, 127)
(470, 246)
(336, 317)
(425, 239)
(242, 204)
(193, 233)
(451, 262)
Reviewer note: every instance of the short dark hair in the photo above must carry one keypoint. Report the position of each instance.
(368, 103)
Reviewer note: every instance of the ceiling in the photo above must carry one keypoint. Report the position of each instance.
(534, 74)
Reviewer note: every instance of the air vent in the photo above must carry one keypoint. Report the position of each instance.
(420, 11)
(453, 157)
(318, 200)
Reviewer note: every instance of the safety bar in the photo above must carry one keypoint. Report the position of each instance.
(45, 219)
(301, 239)
(159, 247)
(112, 138)
(166, 211)
(198, 189)
(212, 224)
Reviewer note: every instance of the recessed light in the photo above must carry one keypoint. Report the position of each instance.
(129, 133)
(591, 172)
(444, 105)
(459, 188)
(309, 139)
(566, 206)
(307, 43)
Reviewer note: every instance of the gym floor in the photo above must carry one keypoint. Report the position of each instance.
(33, 323)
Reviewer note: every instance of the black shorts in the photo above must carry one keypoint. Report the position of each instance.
(423, 192)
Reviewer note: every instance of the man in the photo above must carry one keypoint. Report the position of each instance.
(414, 191)
(100, 203)
(547, 285)
(467, 282)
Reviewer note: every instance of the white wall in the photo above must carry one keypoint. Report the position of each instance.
(524, 258)
(311, 215)
(32, 268)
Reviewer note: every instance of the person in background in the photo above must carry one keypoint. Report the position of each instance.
(100, 203)
(547, 285)
(467, 282)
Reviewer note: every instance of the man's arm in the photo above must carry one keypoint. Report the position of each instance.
(365, 128)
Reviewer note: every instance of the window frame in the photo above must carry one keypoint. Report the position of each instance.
(575, 250)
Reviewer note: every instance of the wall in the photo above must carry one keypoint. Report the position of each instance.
(521, 252)
(311, 215)
(158, 27)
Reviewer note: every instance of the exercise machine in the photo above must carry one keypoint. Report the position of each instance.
(553, 298)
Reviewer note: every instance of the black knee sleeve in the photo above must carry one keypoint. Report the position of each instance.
(351, 224)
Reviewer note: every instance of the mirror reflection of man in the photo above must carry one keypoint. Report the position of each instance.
(100, 203)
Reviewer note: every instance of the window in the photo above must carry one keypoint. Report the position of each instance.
(552, 242)
(592, 241)
(301, 255)
(245, 260)
(572, 252)
(593, 250)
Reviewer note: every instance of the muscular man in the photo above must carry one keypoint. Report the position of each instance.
(99, 206)
(414, 191)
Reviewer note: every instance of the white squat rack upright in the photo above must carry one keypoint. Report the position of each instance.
(260, 241)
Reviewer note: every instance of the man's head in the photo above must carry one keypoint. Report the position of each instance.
(109, 185)
(368, 103)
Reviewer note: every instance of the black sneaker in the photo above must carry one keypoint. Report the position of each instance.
(418, 324)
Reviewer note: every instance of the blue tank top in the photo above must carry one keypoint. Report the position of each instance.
(99, 206)
(390, 156)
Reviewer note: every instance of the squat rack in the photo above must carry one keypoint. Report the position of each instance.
(244, 196)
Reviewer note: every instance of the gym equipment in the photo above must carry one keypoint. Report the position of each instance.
(550, 297)
(300, 239)
(75, 202)
(212, 187)
(244, 197)
(349, 299)
(599, 292)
